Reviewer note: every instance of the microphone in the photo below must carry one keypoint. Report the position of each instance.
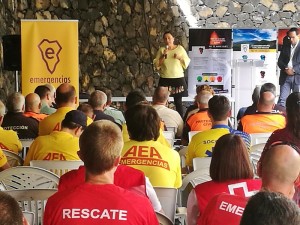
(167, 47)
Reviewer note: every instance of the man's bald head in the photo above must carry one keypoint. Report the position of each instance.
(65, 95)
(161, 95)
(280, 168)
(32, 103)
(266, 102)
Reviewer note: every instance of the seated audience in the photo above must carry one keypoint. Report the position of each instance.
(26, 127)
(202, 144)
(132, 99)
(9, 139)
(98, 102)
(264, 120)
(66, 100)
(252, 108)
(270, 208)
(100, 202)
(59, 145)
(111, 111)
(170, 117)
(10, 211)
(281, 167)
(33, 107)
(194, 108)
(46, 99)
(267, 87)
(231, 172)
(160, 163)
(200, 120)
(87, 109)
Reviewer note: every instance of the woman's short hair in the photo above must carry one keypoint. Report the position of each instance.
(205, 87)
(100, 144)
(293, 113)
(230, 159)
(143, 123)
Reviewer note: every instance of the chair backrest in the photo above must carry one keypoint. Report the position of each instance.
(196, 177)
(255, 156)
(258, 147)
(168, 200)
(162, 219)
(13, 159)
(170, 136)
(29, 216)
(258, 138)
(25, 146)
(59, 167)
(22, 177)
(171, 129)
(192, 133)
(33, 200)
(201, 163)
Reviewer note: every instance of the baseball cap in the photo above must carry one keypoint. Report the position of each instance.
(77, 117)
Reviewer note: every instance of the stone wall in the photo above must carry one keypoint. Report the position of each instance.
(118, 39)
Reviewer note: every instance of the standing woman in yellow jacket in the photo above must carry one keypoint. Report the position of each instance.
(171, 61)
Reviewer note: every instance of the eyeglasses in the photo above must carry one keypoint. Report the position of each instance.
(285, 143)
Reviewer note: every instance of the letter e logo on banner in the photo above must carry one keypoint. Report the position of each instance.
(50, 53)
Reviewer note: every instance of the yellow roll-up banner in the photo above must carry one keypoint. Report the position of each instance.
(49, 53)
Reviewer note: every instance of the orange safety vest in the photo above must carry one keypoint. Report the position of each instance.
(199, 121)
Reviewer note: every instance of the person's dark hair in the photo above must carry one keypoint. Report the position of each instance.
(86, 108)
(100, 144)
(218, 107)
(65, 94)
(230, 159)
(143, 123)
(10, 212)
(293, 29)
(255, 94)
(293, 113)
(268, 87)
(270, 208)
(134, 97)
(42, 91)
(167, 32)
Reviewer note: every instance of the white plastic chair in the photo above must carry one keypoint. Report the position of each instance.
(13, 159)
(168, 200)
(29, 216)
(255, 156)
(26, 177)
(258, 138)
(201, 163)
(257, 147)
(33, 200)
(25, 146)
(170, 136)
(59, 167)
(192, 133)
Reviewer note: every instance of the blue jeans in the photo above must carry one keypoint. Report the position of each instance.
(285, 89)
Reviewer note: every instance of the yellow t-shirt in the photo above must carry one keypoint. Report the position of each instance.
(53, 122)
(58, 145)
(160, 139)
(3, 159)
(9, 140)
(171, 67)
(160, 164)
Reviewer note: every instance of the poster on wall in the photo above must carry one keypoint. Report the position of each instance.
(210, 53)
(49, 53)
(257, 47)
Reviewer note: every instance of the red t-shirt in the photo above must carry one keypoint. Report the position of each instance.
(125, 177)
(98, 204)
(244, 187)
(223, 209)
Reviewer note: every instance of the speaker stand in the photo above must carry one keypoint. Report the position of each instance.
(17, 80)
